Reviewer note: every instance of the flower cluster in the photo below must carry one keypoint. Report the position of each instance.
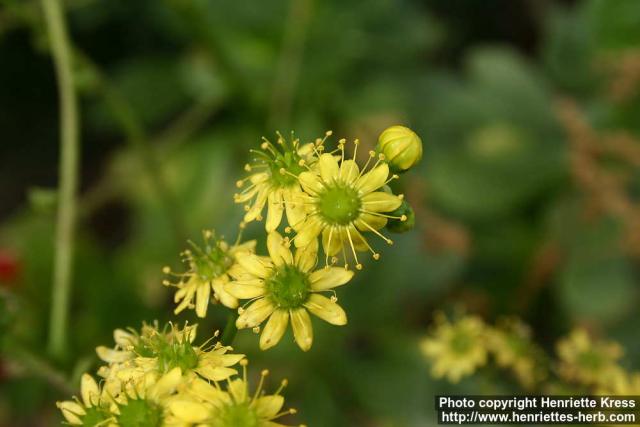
(330, 202)
(209, 268)
(457, 349)
(156, 378)
(582, 363)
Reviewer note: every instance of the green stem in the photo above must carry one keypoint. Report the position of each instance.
(230, 330)
(68, 172)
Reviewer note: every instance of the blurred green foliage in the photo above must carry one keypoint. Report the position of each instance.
(174, 93)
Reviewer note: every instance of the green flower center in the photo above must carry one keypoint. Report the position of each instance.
(140, 413)
(461, 342)
(210, 262)
(288, 287)
(240, 415)
(94, 416)
(591, 360)
(289, 162)
(339, 205)
(176, 354)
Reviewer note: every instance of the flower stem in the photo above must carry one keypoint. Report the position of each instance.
(68, 173)
(230, 330)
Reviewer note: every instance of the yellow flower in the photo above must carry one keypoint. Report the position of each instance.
(283, 287)
(208, 271)
(143, 402)
(401, 147)
(344, 202)
(209, 405)
(623, 383)
(586, 361)
(92, 410)
(456, 349)
(274, 181)
(154, 351)
(512, 347)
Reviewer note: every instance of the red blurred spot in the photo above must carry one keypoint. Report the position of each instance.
(9, 267)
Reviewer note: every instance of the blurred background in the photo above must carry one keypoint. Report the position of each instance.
(527, 200)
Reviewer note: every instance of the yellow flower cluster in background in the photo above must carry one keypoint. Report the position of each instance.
(458, 348)
(159, 378)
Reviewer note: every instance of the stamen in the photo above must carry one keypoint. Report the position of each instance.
(353, 249)
(386, 239)
(263, 375)
(394, 176)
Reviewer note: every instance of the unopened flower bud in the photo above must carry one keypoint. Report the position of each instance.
(405, 221)
(401, 147)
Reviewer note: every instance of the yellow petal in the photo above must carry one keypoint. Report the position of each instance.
(248, 246)
(326, 309)
(331, 241)
(166, 384)
(310, 183)
(112, 356)
(349, 171)
(374, 221)
(188, 411)
(202, 299)
(89, 390)
(278, 252)
(380, 201)
(123, 338)
(207, 392)
(274, 211)
(294, 201)
(302, 330)
(274, 329)
(256, 209)
(357, 239)
(308, 231)
(245, 196)
(225, 297)
(72, 412)
(329, 278)
(260, 177)
(255, 265)
(238, 390)
(306, 149)
(373, 179)
(307, 257)
(255, 314)
(328, 166)
(245, 289)
(215, 373)
(268, 406)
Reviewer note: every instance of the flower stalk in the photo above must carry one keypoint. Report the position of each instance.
(68, 173)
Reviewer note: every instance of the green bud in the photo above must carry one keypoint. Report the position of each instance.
(399, 226)
(401, 147)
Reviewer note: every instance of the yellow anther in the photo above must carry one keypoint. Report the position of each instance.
(239, 183)
(166, 269)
